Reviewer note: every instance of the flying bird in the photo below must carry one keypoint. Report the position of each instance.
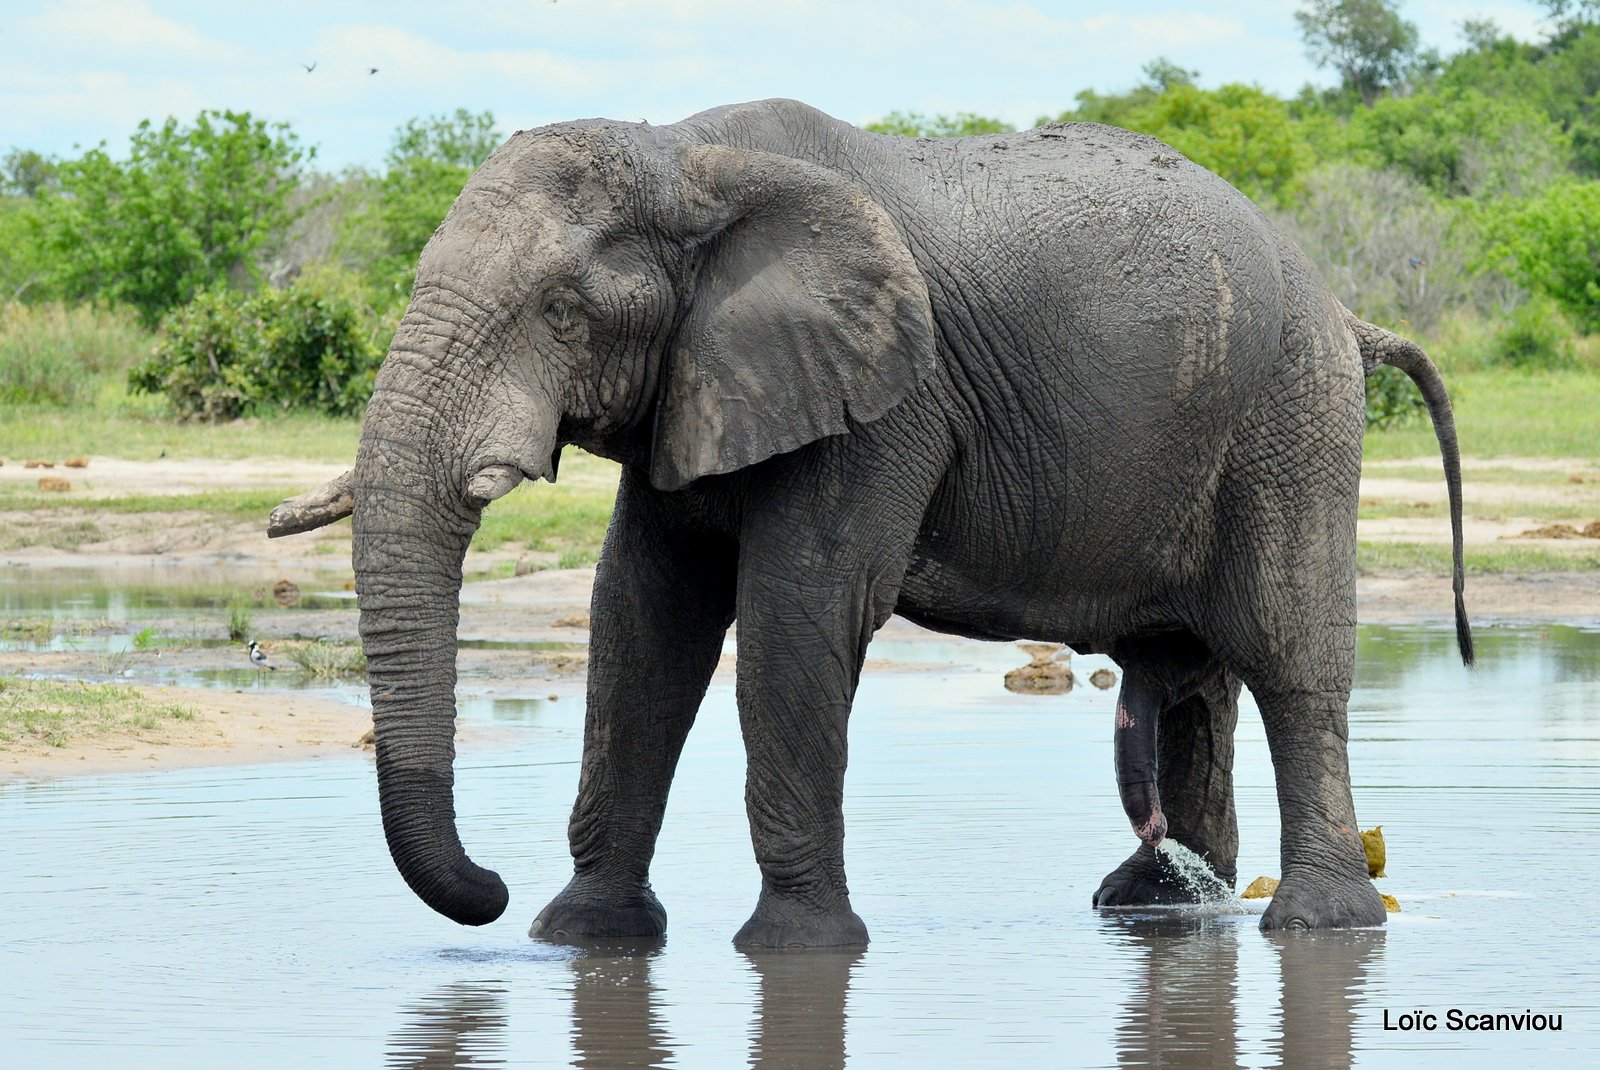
(311, 68)
(258, 657)
(372, 70)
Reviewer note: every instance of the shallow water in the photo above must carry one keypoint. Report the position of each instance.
(251, 916)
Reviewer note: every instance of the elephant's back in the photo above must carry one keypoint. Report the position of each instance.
(1115, 311)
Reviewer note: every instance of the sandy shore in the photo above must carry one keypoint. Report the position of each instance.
(1505, 500)
(228, 728)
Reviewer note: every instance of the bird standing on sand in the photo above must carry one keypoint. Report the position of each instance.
(258, 657)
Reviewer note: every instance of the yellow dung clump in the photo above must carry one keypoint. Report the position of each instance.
(1390, 903)
(1372, 843)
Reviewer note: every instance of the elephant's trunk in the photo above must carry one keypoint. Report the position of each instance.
(1135, 746)
(410, 537)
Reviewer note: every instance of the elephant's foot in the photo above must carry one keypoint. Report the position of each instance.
(582, 913)
(780, 922)
(1150, 878)
(1317, 901)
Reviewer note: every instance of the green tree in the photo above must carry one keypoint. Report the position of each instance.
(1561, 77)
(26, 173)
(428, 163)
(1366, 41)
(1461, 142)
(1567, 16)
(916, 124)
(190, 208)
(24, 265)
(1163, 74)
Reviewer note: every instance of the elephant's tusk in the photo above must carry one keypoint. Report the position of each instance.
(492, 483)
(334, 500)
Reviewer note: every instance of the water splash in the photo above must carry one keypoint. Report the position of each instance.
(1207, 887)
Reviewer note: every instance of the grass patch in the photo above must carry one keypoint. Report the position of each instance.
(238, 621)
(223, 504)
(139, 429)
(1378, 558)
(57, 355)
(1503, 413)
(44, 629)
(326, 661)
(54, 713)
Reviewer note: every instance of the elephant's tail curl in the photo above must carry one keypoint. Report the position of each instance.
(1379, 347)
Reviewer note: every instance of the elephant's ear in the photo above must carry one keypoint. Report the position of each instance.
(808, 314)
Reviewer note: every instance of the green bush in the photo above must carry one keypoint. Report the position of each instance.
(1392, 398)
(1553, 241)
(51, 354)
(1536, 336)
(315, 345)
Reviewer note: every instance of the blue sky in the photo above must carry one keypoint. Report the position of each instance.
(82, 71)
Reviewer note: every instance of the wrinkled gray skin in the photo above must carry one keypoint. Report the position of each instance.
(1062, 385)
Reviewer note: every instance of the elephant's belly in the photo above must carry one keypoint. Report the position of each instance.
(1050, 603)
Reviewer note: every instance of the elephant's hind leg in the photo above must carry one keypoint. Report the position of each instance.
(1282, 615)
(1194, 749)
(663, 600)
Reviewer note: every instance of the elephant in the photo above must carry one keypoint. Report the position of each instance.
(1062, 385)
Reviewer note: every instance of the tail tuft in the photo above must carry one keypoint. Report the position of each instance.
(1463, 632)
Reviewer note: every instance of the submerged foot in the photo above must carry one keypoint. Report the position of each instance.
(581, 913)
(1317, 901)
(787, 924)
(1149, 877)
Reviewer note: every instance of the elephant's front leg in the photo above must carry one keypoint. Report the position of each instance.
(799, 660)
(820, 568)
(663, 600)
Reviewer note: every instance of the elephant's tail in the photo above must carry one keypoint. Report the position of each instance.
(1379, 347)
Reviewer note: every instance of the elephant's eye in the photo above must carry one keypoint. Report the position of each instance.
(559, 313)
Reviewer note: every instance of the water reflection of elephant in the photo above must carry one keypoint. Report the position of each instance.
(799, 1020)
(461, 1025)
(1184, 1010)
(616, 1017)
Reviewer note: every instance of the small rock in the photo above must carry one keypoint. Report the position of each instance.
(1372, 843)
(53, 483)
(1104, 679)
(286, 593)
(77, 462)
(1261, 888)
(1044, 675)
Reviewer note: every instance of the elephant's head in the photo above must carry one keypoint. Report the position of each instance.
(687, 308)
